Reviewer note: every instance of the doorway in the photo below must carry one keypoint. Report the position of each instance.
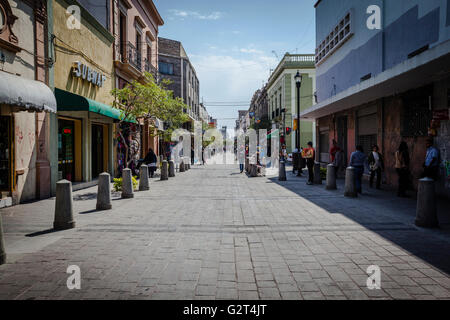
(66, 150)
(97, 150)
(6, 176)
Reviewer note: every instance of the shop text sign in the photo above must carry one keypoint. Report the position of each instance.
(86, 73)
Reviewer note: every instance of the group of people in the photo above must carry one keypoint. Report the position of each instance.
(375, 162)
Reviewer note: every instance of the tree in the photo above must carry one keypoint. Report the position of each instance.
(139, 102)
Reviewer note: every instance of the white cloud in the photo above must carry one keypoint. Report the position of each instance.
(228, 78)
(250, 50)
(196, 15)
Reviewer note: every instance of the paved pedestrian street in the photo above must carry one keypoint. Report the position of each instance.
(212, 233)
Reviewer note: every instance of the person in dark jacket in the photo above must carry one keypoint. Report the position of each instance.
(376, 166)
(358, 160)
(150, 160)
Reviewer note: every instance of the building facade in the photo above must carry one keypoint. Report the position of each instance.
(83, 145)
(175, 66)
(135, 26)
(282, 95)
(259, 109)
(26, 102)
(384, 85)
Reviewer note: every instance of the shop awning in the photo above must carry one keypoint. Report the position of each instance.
(28, 94)
(68, 101)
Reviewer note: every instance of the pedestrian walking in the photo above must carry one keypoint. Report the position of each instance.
(150, 160)
(376, 166)
(309, 154)
(402, 168)
(431, 165)
(358, 160)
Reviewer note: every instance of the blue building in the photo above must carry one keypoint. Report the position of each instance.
(382, 77)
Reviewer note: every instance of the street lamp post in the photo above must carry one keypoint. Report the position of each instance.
(298, 82)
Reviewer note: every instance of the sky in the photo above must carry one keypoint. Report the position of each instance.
(234, 44)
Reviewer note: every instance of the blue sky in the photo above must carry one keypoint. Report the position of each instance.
(231, 44)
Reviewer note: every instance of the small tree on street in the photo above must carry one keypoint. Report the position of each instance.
(142, 101)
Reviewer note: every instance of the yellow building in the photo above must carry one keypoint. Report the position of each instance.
(83, 80)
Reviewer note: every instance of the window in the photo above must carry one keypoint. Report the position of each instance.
(340, 33)
(417, 112)
(122, 34)
(166, 68)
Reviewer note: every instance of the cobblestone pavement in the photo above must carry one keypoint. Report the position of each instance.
(212, 233)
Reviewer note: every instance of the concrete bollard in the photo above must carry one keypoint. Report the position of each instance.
(331, 177)
(317, 176)
(426, 213)
(164, 171)
(171, 169)
(282, 171)
(182, 169)
(143, 178)
(350, 185)
(2, 246)
(104, 192)
(127, 184)
(64, 206)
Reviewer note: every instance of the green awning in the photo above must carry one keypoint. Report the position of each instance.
(68, 101)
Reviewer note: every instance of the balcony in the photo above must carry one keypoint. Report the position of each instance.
(298, 61)
(129, 60)
(148, 67)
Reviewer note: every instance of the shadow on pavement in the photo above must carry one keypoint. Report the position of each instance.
(40, 233)
(383, 213)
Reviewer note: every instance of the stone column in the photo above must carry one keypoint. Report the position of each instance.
(2, 246)
(104, 192)
(164, 171)
(171, 169)
(253, 170)
(64, 206)
(182, 169)
(350, 185)
(331, 177)
(143, 178)
(317, 176)
(127, 184)
(282, 171)
(426, 213)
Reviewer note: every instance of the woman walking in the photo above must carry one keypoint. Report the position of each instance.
(309, 154)
(402, 168)
(376, 166)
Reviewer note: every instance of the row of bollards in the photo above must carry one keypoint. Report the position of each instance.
(64, 201)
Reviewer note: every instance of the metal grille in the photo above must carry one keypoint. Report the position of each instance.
(416, 114)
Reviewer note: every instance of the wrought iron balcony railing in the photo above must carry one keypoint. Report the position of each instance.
(127, 53)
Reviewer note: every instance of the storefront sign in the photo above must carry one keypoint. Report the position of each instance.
(440, 114)
(86, 73)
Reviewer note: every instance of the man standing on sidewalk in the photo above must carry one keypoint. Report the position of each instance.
(431, 165)
(358, 160)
